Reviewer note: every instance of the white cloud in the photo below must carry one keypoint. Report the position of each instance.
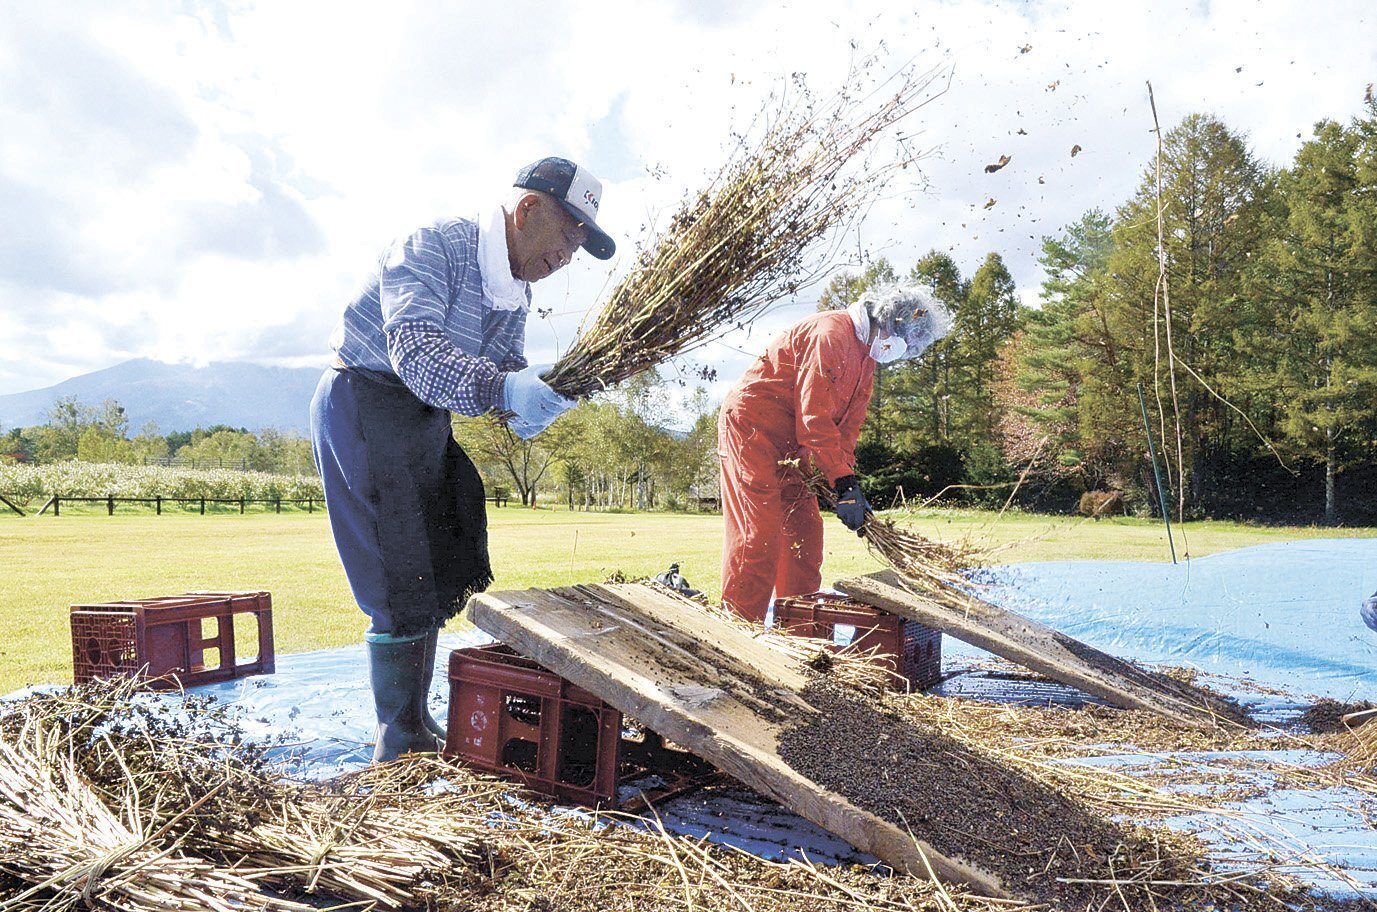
(208, 181)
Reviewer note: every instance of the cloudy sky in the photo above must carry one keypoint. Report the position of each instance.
(192, 180)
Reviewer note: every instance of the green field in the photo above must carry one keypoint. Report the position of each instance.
(48, 563)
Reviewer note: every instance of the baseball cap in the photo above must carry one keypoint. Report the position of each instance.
(578, 191)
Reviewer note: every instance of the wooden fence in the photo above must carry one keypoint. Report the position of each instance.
(55, 502)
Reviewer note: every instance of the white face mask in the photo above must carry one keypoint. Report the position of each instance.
(890, 348)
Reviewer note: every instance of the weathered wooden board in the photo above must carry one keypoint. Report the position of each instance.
(705, 685)
(1361, 717)
(1048, 651)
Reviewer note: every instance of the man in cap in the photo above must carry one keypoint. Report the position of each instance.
(438, 327)
(802, 404)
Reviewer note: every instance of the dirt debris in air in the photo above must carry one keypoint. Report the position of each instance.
(1045, 846)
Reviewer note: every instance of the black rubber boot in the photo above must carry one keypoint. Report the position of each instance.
(435, 728)
(397, 670)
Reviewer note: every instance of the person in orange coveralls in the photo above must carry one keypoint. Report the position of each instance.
(803, 402)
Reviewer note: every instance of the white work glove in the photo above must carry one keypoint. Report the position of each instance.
(531, 400)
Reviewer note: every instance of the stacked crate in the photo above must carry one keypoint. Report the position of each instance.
(911, 650)
(509, 715)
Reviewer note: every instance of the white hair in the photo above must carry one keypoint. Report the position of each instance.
(912, 311)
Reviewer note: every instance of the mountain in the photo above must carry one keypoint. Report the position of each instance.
(180, 397)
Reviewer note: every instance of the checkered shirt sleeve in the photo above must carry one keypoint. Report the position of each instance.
(422, 316)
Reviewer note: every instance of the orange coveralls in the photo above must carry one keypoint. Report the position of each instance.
(804, 399)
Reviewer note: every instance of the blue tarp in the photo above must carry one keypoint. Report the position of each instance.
(1283, 615)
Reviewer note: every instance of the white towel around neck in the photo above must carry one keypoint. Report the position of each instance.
(505, 291)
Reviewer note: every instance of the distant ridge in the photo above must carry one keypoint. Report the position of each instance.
(180, 397)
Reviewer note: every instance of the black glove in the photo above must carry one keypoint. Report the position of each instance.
(851, 503)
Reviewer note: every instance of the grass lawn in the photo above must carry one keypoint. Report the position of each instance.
(49, 563)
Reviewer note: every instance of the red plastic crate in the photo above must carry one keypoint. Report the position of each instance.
(508, 715)
(164, 638)
(904, 646)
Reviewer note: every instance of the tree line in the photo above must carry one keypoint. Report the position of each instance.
(623, 450)
(1248, 315)
(100, 434)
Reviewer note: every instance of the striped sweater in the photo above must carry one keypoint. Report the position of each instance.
(421, 316)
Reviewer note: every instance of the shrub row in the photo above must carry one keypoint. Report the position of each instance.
(28, 483)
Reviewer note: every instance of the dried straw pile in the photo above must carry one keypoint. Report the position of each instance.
(63, 846)
(1037, 742)
(982, 783)
(1353, 731)
(1360, 745)
(751, 237)
(109, 801)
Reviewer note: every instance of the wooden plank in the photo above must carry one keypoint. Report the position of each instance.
(1045, 650)
(1361, 717)
(702, 683)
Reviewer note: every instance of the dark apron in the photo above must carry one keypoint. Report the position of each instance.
(432, 521)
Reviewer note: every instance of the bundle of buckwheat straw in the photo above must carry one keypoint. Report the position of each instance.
(753, 236)
(933, 567)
